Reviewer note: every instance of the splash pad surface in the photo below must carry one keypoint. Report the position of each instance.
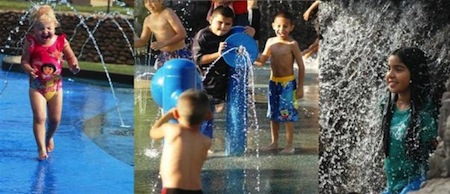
(77, 164)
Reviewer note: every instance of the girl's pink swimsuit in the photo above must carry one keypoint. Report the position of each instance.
(48, 82)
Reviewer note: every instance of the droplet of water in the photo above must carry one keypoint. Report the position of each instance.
(152, 153)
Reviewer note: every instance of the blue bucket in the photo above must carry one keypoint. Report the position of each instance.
(236, 40)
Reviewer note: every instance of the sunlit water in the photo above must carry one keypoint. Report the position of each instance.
(89, 101)
(358, 37)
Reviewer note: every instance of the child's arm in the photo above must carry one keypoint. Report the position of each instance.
(177, 26)
(209, 58)
(157, 131)
(72, 60)
(301, 69)
(145, 34)
(25, 61)
(264, 55)
(310, 9)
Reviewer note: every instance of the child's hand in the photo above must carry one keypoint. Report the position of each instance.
(222, 46)
(156, 45)
(249, 30)
(170, 113)
(74, 68)
(257, 63)
(299, 93)
(33, 74)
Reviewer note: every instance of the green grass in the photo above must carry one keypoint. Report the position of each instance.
(112, 68)
(88, 66)
(25, 5)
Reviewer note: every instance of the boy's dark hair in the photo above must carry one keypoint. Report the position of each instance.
(416, 62)
(197, 105)
(225, 11)
(48, 65)
(284, 14)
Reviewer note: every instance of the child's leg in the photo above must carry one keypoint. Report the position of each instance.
(289, 138)
(274, 128)
(38, 106)
(289, 134)
(313, 48)
(54, 118)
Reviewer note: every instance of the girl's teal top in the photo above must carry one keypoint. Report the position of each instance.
(401, 169)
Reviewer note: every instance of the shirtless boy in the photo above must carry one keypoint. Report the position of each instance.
(185, 148)
(168, 31)
(283, 88)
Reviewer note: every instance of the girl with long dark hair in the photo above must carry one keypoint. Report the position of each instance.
(409, 120)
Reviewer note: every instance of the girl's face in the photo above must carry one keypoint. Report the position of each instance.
(398, 76)
(154, 6)
(282, 27)
(44, 31)
(220, 25)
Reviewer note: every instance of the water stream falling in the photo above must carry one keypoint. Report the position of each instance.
(357, 39)
(91, 37)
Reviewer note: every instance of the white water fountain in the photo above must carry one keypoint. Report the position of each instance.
(357, 39)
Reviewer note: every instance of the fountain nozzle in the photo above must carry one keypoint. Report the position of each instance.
(240, 50)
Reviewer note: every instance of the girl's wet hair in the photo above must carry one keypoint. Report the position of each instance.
(416, 62)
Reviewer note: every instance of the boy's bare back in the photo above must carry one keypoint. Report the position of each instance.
(185, 151)
(185, 148)
(282, 53)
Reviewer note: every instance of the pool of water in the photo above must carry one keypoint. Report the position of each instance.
(88, 105)
(93, 151)
(112, 129)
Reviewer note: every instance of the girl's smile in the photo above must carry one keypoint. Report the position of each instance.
(398, 76)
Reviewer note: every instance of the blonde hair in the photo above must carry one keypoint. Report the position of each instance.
(43, 14)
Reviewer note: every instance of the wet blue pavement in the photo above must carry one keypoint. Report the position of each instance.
(77, 165)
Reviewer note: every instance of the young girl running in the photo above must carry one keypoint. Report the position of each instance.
(43, 48)
(409, 121)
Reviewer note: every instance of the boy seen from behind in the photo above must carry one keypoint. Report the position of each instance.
(185, 148)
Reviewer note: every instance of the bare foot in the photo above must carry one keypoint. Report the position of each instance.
(288, 150)
(271, 146)
(210, 152)
(50, 145)
(219, 107)
(42, 155)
